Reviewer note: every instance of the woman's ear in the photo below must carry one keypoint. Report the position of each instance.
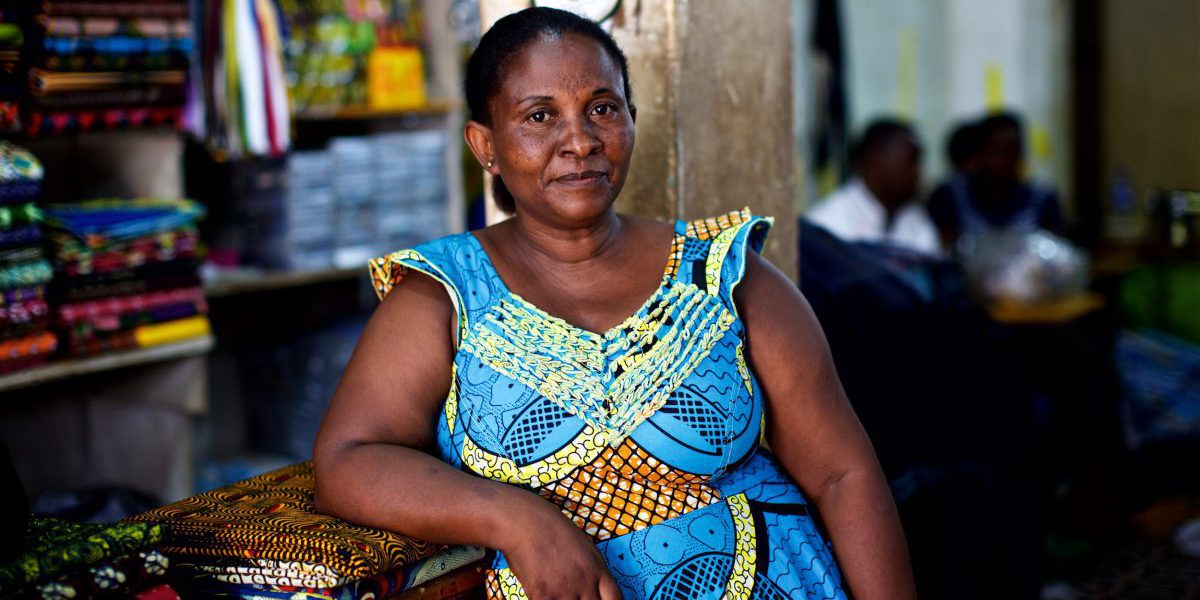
(479, 139)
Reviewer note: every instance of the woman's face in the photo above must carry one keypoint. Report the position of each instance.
(562, 130)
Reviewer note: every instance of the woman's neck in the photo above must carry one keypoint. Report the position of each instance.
(541, 243)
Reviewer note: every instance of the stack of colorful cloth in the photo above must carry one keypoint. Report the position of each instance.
(12, 76)
(105, 65)
(262, 538)
(24, 271)
(61, 560)
(126, 273)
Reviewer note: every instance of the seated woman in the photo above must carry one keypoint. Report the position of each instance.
(591, 394)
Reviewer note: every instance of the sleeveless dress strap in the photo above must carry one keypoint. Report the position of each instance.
(718, 246)
(436, 258)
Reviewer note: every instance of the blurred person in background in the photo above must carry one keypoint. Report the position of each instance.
(876, 205)
(993, 195)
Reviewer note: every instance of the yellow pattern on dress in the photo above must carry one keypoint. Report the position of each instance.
(741, 579)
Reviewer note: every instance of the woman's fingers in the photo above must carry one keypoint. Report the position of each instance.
(609, 589)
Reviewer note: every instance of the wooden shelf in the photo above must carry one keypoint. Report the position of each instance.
(65, 369)
(233, 283)
(366, 113)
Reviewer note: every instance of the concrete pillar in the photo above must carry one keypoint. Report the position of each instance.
(712, 82)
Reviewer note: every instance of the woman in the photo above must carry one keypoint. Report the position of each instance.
(547, 388)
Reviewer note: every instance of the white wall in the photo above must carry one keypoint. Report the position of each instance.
(938, 61)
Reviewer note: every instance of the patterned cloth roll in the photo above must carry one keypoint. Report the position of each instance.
(271, 517)
(119, 576)
(38, 272)
(56, 547)
(25, 235)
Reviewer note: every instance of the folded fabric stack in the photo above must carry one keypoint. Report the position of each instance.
(24, 271)
(262, 538)
(126, 273)
(106, 65)
(12, 78)
(63, 560)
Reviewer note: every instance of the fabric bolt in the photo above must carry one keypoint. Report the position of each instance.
(104, 344)
(18, 165)
(162, 591)
(32, 273)
(83, 291)
(118, 576)
(55, 547)
(52, 122)
(272, 518)
(22, 294)
(19, 215)
(116, 306)
(131, 320)
(25, 235)
(19, 191)
(100, 221)
(24, 312)
(149, 250)
(91, 342)
(150, 271)
(274, 580)
(647, 436)
(11, 256)
(68, 247)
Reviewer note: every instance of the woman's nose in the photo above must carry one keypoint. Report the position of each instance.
(579, 138)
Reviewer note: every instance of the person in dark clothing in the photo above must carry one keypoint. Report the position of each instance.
(963, 147)
(993, 196)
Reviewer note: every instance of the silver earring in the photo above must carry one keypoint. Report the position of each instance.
(490, 163)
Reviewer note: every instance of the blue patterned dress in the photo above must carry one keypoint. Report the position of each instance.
(648, 437)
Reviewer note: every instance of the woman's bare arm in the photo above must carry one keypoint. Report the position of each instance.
(373, 456)
(374, 463)
(815, 434)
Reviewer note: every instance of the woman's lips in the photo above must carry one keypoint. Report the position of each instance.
(582, 178)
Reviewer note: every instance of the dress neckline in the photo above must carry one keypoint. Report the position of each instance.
(663, 285)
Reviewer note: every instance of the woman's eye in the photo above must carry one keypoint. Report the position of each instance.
(604, 109)
(539, 116)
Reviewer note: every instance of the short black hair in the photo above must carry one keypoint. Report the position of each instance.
(998, 121)
(878, 134)
(510, 34)
(964, 142)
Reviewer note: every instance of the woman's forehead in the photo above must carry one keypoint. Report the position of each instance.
(559, 64)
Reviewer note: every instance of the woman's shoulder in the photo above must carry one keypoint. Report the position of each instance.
(446, 259)
(707, 228)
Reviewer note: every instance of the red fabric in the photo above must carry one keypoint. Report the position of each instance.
(158, 592)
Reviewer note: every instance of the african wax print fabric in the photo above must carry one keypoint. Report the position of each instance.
(116, 577)
(76, 258)
(24, 235)
(55, 547)
(26, 274)
(105, 308)
(20, 174)
(269, 523)
(278, 582)
(19, 215)
(647, 436)
(162, 591)
(99, 222)
(23, 294)
(82, 289)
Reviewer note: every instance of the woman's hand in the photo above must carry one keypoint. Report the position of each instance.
(552, 557)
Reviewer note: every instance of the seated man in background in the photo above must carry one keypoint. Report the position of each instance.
(877, 204)
(993, 196)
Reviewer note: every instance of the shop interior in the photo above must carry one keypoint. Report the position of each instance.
(191, 191)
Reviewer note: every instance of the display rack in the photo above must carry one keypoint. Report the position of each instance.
(66, 369)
